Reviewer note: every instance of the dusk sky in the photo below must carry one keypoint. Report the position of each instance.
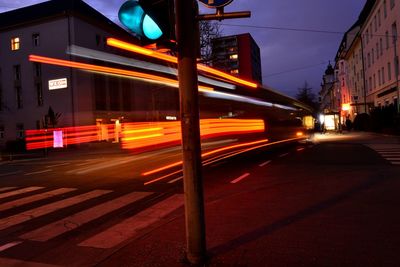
(289, 58)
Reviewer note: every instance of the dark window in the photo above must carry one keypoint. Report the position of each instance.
(39, 94)
(98, 39)
(18, 93)
(100, 93)
(126, 95)
(17, 72)
(20, 130)
(1, 131)
(36, 39)
(113, 89)
(37, 70)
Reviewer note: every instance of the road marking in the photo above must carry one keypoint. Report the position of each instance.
(46, 209)
(6, 188)
(10, 173)
(30, 199)
(9, 245)
(69, 223)
(300, 149)
(20, 191)
(175, 180)
(128, 228)
(57, 165)
(265, 163)
(107, 164)
(13, 262)
(240, 178)
(161, 178)
(38, 172)
(394, 159)
(283, 155)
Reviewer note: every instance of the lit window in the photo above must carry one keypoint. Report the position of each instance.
(234, 56)
(235, 71)
(15, 43)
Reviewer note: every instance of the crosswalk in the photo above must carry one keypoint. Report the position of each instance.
(20, 206)
(390, 152)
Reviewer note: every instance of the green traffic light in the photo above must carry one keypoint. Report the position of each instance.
(132, 16)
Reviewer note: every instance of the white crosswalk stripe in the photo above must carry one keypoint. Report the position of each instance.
(129, 227)
(390, 152)
(71, 222)
(47, 201)
(49, 208)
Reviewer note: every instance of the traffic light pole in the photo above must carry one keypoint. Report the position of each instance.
(186, 11)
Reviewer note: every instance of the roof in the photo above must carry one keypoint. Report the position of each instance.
(55, 8)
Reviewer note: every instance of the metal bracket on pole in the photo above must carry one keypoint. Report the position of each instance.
(220, 15)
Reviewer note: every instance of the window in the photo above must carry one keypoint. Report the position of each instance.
(369, 60)
(39, 94)
(383, 75)
(375, 23)
(379, 17)
(98, 39)
(377, 51)
(396, 66)
(15, 43)
(37, 70)
(234, 56)
(17, 72)
(370, 83)
(374, 81)
(381, 46)
(384, 9)
(35, 39)
(18, 94)
(389, 70)
(367, 33)
(1, 131)
(20, 130)
(394, 33)
(235, 71)
(373, 56)
(379, 78)
(387, 39)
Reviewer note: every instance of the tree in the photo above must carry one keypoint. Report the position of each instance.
(306, 96)
(208, 31)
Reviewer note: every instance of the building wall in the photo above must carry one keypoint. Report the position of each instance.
(380, 52)
(53, 43)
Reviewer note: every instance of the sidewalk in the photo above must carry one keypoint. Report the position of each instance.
(325, 210)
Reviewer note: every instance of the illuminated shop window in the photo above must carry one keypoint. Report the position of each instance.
(15, 43)
(235, 71)
(234, 56)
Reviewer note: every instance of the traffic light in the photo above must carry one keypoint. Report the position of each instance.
(152, 20)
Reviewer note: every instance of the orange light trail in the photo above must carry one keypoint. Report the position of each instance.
(109, 70)
(147, 52)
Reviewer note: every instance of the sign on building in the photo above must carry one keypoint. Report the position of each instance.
(58, 84)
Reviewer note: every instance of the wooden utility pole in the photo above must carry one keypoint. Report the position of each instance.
(187, 39)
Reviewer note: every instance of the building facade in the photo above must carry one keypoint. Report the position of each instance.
(367, 61)
(28, 90)
(238, 55)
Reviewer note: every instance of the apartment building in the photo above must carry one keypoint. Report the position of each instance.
(381, 47)
(238, 55)
(367, 61)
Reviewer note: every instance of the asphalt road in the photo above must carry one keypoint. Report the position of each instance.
(83, 209)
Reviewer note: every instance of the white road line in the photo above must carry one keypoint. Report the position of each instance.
(57, 165)
(107, 164)
(6, 188)
(20, 191)
(69, 223)
(9, 173)
(396, 162)
(30, 199)
(128, 228)
(9, 245)
(15, 263)
(265, 163)
(46, 209)
(38, 172)
(394, 159)
(283, 155)
(240, 178)
(175, 180)
(300, 149)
